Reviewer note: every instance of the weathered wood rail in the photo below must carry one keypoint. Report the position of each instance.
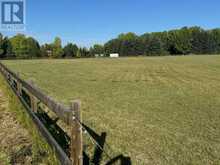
(69, 115)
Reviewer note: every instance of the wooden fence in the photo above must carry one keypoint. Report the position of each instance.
(69, 115)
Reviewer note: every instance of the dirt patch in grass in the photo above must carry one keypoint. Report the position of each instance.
(15, 142)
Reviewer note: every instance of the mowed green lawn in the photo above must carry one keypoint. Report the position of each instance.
(161, 110)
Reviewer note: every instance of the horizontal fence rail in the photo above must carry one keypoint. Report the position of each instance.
(69, 115)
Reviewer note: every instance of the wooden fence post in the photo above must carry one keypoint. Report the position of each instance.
(76, 148)
(19, 86)
(34, 105)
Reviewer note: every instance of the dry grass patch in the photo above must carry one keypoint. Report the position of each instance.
(15, 141)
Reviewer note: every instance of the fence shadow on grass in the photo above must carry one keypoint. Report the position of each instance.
(51, 124)
(98, 152)
(59, 135)
(64, 141)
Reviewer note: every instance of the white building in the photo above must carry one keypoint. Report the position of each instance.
(99, 55)
(114, 55)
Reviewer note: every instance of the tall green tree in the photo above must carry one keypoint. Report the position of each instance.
(33, 47)
(202, 41)
(179, 41)
(57, 50)
(155, 47)
(215, 35)
(5, 47)
(96, 49)
(19, 46)
(112, 46)
(84, 52)
(23, 47)
(130, 44)
(70, 50)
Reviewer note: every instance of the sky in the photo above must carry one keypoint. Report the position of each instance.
(86, 22)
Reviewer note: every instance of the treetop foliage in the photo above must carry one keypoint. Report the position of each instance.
(184, 41)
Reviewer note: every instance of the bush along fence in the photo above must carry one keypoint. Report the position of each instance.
(68, 148)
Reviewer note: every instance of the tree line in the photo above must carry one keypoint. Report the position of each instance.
(184, 41)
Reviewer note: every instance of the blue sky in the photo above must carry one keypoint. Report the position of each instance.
(86, 22)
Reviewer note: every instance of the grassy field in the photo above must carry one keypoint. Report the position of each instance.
(162, 110)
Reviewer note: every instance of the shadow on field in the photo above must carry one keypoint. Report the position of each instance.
(51, 124)
(99, 152)
(59, 135)
(63, 139)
